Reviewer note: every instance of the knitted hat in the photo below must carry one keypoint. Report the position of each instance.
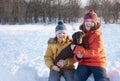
(91, 15)
(60, 28)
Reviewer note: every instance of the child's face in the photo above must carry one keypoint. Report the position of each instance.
(62, 36)
(89, 24)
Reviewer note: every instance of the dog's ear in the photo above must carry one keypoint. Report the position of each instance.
(80, 37)
(83, 35)
(74, 37)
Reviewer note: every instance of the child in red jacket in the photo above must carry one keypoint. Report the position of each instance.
(92, 61)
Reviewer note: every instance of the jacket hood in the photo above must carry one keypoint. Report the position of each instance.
(54, 40)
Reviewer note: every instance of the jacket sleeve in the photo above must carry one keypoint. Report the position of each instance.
(69, 63)
(96, 48)
(48, 58)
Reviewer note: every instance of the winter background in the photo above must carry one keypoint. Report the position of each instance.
(22, 49)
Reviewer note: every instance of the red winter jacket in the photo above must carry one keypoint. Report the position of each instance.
(95, 56)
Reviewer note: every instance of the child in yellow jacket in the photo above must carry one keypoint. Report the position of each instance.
(63, 68)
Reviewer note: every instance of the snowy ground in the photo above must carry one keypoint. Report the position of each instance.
(22, 48)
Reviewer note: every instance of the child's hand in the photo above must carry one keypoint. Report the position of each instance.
(56, 68)
(61, 63)
(79, 55)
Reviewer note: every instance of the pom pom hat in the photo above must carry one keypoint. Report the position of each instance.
(91, 15)
(60, 28)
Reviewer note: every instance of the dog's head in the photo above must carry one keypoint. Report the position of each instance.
(78, 37)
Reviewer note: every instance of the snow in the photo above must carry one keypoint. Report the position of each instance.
(22, 48)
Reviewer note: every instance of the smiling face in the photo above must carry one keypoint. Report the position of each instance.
(89, 24)
(61, 36)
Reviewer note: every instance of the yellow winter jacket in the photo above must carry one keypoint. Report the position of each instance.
(53, 49)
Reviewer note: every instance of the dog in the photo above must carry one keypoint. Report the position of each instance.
(78, 38)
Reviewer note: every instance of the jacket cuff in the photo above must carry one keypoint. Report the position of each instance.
(77, 49)
(51, 66)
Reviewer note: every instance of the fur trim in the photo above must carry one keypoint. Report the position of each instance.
(52, 41)
(82, 27)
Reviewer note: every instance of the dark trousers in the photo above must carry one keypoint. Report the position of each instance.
(83, 72)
